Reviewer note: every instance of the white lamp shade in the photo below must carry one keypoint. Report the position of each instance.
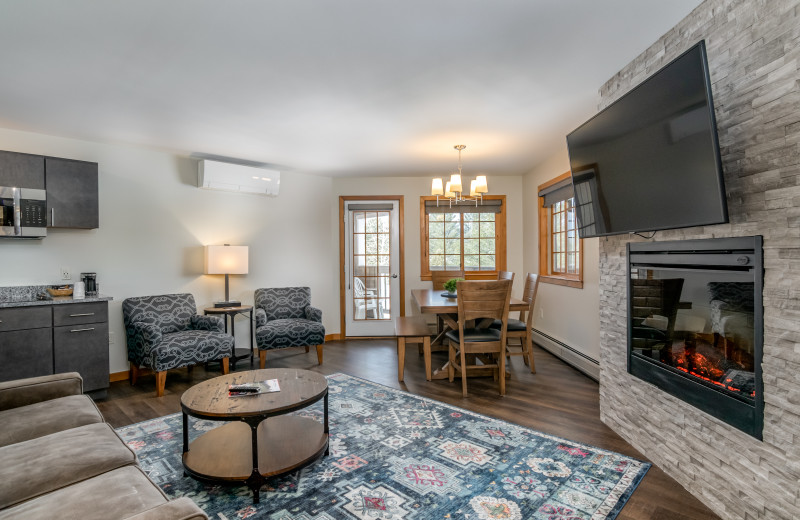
(226, 260)
(447, 192)
(455, 182)
(472, 185)
(436, 187)
(480, 184)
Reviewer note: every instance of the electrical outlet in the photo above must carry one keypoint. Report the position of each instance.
(541, 313)
(110, 338)
(66, 273)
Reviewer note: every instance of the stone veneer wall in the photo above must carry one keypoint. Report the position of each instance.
(753, 54)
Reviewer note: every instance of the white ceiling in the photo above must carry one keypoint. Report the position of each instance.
(348, 88)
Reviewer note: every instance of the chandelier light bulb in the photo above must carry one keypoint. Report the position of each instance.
(436, 187)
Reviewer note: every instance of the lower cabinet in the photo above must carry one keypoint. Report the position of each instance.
(56, 338)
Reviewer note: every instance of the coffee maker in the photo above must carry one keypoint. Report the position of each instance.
(90, 282)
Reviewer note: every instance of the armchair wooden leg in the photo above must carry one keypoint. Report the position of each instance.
(161, 382)
(319, 354)
(189, 369)
(307, 349)
(226, 365)
(262, 358)
(134, 374)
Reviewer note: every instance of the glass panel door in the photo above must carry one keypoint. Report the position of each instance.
(372, 258)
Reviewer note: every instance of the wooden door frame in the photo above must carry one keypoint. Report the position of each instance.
(401, 254)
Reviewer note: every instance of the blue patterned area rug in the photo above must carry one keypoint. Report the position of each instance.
(397, 456)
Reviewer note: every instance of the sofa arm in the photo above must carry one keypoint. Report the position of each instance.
(212, 323)
(261, 317)
(179, 509)
(22, 392)
(313, 314)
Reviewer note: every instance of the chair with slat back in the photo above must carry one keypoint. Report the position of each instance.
(478, 300)
(521, 328)
(440, 277)
(505, 275)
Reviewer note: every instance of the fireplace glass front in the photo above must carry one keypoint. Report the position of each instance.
(695, 324)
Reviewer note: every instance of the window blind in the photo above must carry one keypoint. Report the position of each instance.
(487, 206)
(557, 192)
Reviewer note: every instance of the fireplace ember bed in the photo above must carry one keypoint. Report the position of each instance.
(696, 324)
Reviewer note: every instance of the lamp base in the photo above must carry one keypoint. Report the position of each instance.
(232, 303)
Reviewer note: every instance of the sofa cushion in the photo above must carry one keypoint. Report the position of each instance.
(118, 494)
(36, 420)
(47, 463)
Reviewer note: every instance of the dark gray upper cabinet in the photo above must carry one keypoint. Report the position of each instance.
(21, 170)
(72, 196)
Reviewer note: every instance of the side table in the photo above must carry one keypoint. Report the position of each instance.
(231, 312)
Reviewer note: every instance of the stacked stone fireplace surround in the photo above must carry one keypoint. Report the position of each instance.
(754, 61)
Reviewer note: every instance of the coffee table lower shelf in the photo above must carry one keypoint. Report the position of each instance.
(284, 444)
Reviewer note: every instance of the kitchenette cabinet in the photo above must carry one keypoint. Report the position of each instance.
(72, 193)
(21, 170)
(60, 335)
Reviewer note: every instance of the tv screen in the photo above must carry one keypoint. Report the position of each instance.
(650, 160)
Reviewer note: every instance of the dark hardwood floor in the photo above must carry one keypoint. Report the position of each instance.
(557, 400)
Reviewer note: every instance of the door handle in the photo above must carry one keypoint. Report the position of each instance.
(82, 330)
(394, 276)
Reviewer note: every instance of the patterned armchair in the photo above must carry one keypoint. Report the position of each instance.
(165, 332)
(285, 318)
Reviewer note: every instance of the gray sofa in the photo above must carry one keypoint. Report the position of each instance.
(60, 459)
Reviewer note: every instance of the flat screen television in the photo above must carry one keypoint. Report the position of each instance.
(650, 161)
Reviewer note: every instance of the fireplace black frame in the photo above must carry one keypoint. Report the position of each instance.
(741, 254)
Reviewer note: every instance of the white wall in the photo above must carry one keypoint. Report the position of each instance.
(570, 315)
(414, 187)
(154, 222)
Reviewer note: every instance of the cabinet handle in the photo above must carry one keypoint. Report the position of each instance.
(52, 216)
(81, 314)
(82, 330)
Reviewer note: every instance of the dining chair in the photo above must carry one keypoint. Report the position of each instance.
(521, 328)
(440, 277)
(477, 300)
(505, 275)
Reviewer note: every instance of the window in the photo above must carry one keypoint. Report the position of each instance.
(463, 237)
(560, 249)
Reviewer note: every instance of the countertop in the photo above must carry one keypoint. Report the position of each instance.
(37, 295)
(55, 300)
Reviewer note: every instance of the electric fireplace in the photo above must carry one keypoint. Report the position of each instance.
(696, 324)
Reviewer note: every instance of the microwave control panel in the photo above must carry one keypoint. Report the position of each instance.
(33, 213)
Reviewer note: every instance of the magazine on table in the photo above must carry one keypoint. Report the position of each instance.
(255, 388)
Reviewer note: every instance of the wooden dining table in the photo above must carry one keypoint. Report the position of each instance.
(431, 301)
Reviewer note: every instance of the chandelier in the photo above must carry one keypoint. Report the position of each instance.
(453, 190)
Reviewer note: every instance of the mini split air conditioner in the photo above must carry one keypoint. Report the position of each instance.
(216, 175)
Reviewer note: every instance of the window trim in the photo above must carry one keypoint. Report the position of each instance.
(567, 280)
(500, 241)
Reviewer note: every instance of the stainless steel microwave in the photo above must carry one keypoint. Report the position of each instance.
(23, 213)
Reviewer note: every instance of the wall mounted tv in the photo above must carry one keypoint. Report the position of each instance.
(650, 160)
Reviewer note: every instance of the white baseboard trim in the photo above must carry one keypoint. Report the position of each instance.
(587, 365)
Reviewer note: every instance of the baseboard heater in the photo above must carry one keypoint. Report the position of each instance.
(579, 360)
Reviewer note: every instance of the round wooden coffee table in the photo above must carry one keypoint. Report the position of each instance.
(250, 448)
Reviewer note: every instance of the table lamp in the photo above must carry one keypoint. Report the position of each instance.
(226, 259)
